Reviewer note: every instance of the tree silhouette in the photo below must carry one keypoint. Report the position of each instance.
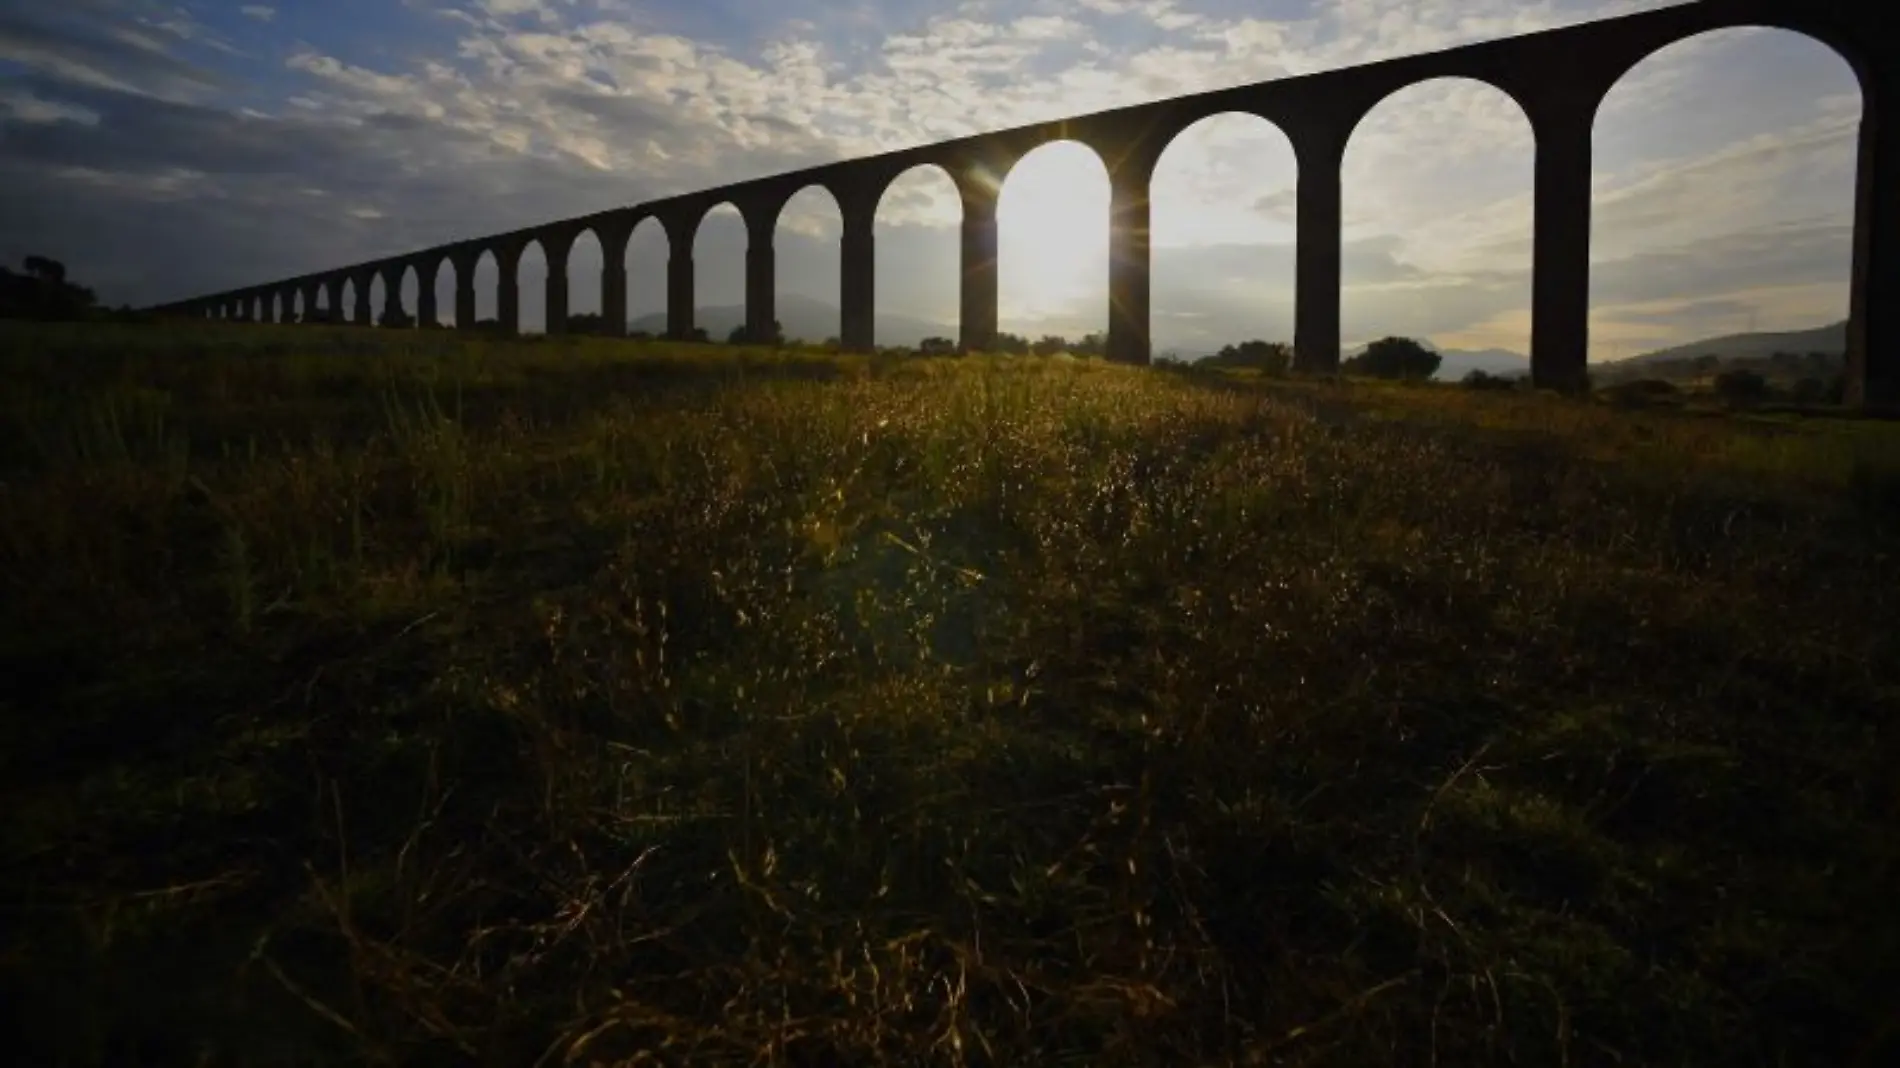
(1272, 357)
(1395, 357)
(43, 292)
(742, 335)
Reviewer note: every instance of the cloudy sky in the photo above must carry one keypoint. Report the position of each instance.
(165, 148)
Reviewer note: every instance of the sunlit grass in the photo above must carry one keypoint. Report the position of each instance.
(410, 698)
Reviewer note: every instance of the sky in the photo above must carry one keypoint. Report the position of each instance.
(168, 148)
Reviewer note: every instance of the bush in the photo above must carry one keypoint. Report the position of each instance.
(1741, 386)
(1395, 357)
(1640, 393)
(1478, 379)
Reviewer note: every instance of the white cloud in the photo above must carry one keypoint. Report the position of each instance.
(540, 109)
(258, 12)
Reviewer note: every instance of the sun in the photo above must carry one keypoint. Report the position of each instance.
(1052, 237)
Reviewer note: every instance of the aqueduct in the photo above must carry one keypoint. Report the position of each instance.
(1558, 77)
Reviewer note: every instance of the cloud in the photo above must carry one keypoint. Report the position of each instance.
(258, 12)
(304, 154)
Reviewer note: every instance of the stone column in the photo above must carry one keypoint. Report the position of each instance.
(1560, 243)
(977, 330)
(1873, 307)
(508, 291)
(679, 293)
(428, 316)
(333, 297)
(1320, 151)
(613, 281)
(464, 290)
(363, 315)
(556, 249)
(392, 293)
(761, 282)
(857, 277)
(267, 306)
(1129, 262)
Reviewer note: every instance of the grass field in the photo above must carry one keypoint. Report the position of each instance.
(390, 698)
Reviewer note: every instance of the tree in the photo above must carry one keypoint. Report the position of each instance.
(1049, 345)
(1270, 357)
(1707, 364)
(1740, 385)
(1094, 343)
(742, 335)
(43, 292)
(1479, 379)
(1012, 343)
(1809, 391)
(936, 346)
(1395, 357)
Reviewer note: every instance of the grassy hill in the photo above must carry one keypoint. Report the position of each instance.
(378, 697)
(1831, 339)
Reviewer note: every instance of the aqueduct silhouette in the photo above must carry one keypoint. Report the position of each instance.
(1558, 78)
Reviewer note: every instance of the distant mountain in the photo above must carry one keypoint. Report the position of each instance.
(802, 317)
(1830, 339)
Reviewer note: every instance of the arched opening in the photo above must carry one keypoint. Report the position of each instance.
(719, 272)
(347, 312)
(378, 300)
(487, 291)
(807, 254)
(917, 231)
(298, 312)
(646, 256)
(1723, 179)
(1223, 209)
(410, 292)
(1437, 208)
(583, 267)
(320, 310)
(531, 280)
(1052, 246)
(444, 282)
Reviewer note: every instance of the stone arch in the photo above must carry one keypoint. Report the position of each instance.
(443, 282)
(346, 309)
(584, 267)
(532, 265)
(1436, 247)
(378, 297)
(917, 225)
(294, 304)
(486, 280)
(718, 247)
(1661, 278)
(1052, 242)
(807, 232)
(645, 258)
(1238, 215)
(409, 292)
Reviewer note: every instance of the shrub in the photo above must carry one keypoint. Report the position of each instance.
(1482, 380)
(1741, 386)
(1395, 357)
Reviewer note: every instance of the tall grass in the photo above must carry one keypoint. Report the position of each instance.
(372, 697)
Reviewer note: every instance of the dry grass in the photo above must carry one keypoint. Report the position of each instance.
(383, 699)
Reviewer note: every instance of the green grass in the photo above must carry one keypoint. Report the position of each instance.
(370, 698)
